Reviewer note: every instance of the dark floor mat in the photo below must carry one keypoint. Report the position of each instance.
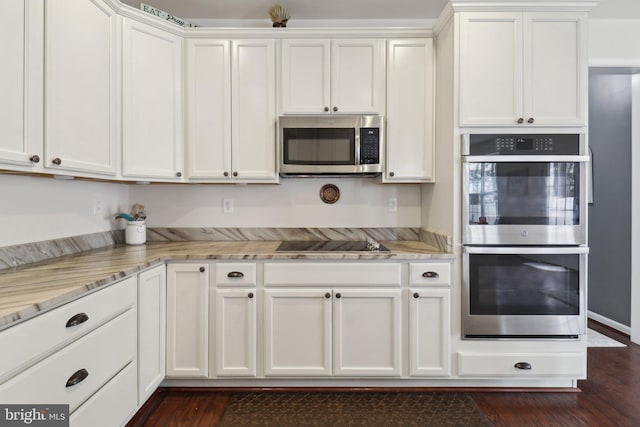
(285, 409)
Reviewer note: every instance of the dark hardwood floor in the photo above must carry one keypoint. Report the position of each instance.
(609, 397)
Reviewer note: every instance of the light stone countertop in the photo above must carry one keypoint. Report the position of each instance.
(35, 288)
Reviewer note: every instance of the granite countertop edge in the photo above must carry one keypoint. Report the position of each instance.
(31, 290)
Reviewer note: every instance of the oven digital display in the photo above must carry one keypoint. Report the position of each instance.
(524, 143)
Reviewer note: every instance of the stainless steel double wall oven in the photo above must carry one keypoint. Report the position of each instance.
(524, 235)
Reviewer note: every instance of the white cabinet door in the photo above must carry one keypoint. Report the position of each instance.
(253, 110)
(523, 69)
(152, 105)
(297, 332)
(21, 38)
(322, 76)
(410, 124)
(490, 68)
(235, 332)
(429, 332)
(152, 299)
(80, 86)
(367, 332)
(208, 109)
(555, 86)
(357, 76)
(306, 79)
(187, 320)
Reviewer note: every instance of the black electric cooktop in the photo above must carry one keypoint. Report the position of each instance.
(330, 246)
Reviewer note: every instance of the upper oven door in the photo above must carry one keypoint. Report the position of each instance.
(525, 199)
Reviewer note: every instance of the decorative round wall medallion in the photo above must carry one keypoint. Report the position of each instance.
(329, 193)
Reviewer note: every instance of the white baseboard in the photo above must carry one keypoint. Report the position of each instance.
(610, 323)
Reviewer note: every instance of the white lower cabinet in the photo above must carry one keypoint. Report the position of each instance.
(187, 320)
(297, 332)
(112, 404)
(235, 332)
(429, 332)
(152, 297)
(233, 328)
(314, 328)
(501, 364)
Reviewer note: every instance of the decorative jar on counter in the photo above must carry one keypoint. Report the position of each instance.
(135, 233)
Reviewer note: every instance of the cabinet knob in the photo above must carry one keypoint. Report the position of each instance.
(226, 173)
(523, 365)
(338, 295)
(35, 158)
(335, 109)
(235, 274)
(531, 120)
(326, 109)
(430, 275)
(201, 269)
(77, 320)
(327, 295)
(77, 377)
(178, 174)
(520, 121)
(392, 174)
(416, 295)
(57, 161)
(235, 174)
(250, 295)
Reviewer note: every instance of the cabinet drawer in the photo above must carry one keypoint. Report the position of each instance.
(432, 273)
(235, 274)
(504, 365)
(102, 354)
(329, 274)
(24, 344)
(112, 405)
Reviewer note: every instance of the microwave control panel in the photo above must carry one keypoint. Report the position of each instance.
(369, 146)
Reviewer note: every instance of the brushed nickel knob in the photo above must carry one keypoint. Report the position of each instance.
(326, 109)
(392, 174)
(226, 173)
(57, 161)
(520, 121)
(35, 158)
(178, 174)
(531, 120)
(335, 109)
(235, 174)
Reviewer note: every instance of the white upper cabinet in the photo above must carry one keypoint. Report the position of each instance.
(523, 69)
(21, 29)
(253, 111)
(80, 104)
(321, 76)
(410, 118)
(208, 109)
(152, 104)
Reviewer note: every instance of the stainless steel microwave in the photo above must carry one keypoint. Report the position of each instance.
(330, 145)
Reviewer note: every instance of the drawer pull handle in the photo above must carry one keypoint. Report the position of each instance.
(235, 275)
(77, 320)
(523, 365)
(77, 377)
(430, 275)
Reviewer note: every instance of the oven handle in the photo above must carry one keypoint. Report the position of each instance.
(520, 159)
(526, 250)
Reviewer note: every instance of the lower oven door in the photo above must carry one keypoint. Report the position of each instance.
(524, 292)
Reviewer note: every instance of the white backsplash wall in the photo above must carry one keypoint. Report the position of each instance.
(364, 202)
(34, 209)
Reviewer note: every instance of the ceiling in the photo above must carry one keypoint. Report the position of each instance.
(343, 9)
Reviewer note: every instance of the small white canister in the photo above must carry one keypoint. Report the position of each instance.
(135, 233)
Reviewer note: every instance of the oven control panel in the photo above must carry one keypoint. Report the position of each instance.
(529, 144)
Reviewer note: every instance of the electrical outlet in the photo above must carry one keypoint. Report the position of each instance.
(393, 204)
(227, 205)
(97, 207)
